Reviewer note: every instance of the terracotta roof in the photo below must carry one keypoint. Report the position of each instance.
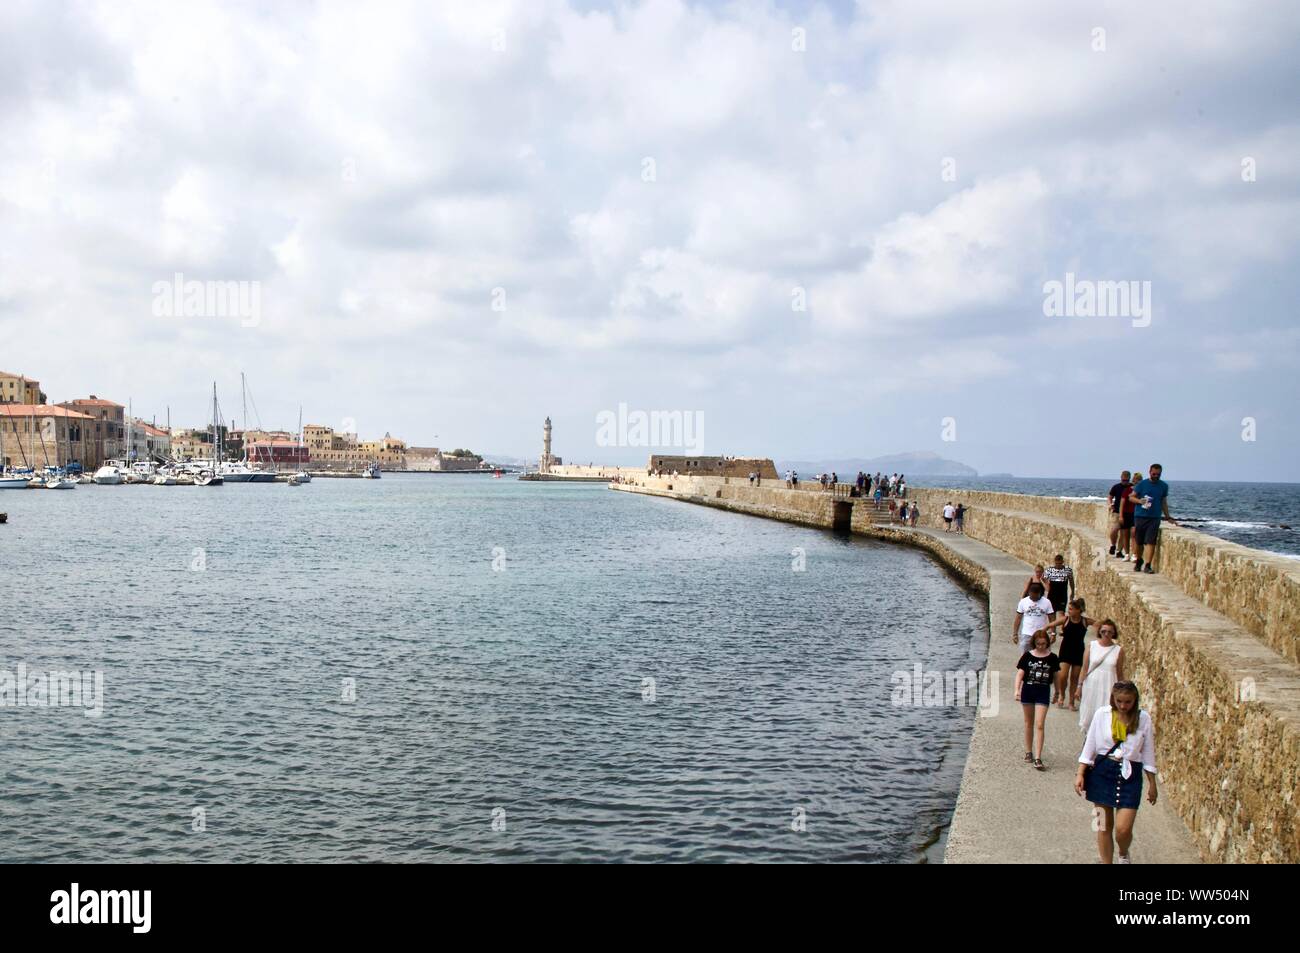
(40, 410)
(30, 380)
(93, 402)
(151, 429)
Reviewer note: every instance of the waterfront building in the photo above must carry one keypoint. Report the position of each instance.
(388, 452)
(41, 435)
(17, 389)
(275, 452)
(330, 450)
(149, 442)
(714, 466)
(108, 439)
(191, 444)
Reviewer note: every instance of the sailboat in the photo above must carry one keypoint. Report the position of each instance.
(302, 475)
(7, 479)
(213, 476)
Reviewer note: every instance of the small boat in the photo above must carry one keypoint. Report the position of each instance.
(294, 481)
(164, 479)
(4, 517)
(10, 481)
(208, 478)
(303, 476)
(60, 483)
(371, 472)
(110, 474)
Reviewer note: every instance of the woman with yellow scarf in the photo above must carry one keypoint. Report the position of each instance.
(1119, 750)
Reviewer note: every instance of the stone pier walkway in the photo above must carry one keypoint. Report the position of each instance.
(1007, 812)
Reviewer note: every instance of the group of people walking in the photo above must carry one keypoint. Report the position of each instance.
(886, 487)
(1088, 677)
(1136, 508)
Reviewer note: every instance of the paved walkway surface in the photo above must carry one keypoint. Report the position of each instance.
(1007, 812)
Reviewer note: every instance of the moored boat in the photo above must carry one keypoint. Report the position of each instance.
(110, 474)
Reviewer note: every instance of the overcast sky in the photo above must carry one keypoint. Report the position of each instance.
(464, 217)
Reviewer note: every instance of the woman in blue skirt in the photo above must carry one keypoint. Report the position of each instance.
(1119, 750)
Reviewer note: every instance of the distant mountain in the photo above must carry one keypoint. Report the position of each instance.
(917, 463)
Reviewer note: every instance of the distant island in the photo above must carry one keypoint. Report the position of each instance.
(916, 463)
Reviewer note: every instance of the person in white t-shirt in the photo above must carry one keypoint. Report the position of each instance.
(1033, 613)
(949, 511)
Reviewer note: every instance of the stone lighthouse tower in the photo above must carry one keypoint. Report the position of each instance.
(544, 464)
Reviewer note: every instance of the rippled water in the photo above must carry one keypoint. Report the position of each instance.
(514, 694)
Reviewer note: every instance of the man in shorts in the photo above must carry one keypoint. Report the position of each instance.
(949, 511)
(1033, 613)
(1151, 499)
(1121, 516)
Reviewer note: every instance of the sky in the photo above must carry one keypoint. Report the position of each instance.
(822, 231)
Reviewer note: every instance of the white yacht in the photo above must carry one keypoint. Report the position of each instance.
(110, 474)
(238, 471)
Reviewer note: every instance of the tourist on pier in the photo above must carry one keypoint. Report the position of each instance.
(1060, 585)
(1103, 665)
(1032, 615)
(1116, 498)
(879, 493)
(1037, 577)
(916, 512)
(1074, 627)
(902, 486)
(902, 513)
(1035, 673)
(1120, 748)
(960, 517)
(1151, 497)
(949, 511)
(1130, 516)
(794, 478)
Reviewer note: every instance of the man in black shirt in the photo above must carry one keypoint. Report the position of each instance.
(1118, 531)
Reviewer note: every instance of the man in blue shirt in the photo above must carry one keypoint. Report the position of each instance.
(1151, 497)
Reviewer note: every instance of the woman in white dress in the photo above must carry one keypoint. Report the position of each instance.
(1103, 665)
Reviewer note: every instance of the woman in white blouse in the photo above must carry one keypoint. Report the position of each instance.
(1119, 750)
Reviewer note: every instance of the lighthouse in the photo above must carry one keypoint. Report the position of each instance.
(544, 465)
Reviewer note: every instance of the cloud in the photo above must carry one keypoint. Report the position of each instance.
(381, 171)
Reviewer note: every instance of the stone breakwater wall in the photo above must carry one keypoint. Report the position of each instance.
(1205, 640)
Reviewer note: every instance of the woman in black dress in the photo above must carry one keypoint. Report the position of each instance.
(1074, 625)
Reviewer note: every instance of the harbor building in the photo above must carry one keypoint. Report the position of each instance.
(45, 435)
(713, 466)
(276, 452)
(149, 442)
(108, 439)
(17, 389)
(190, 444)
